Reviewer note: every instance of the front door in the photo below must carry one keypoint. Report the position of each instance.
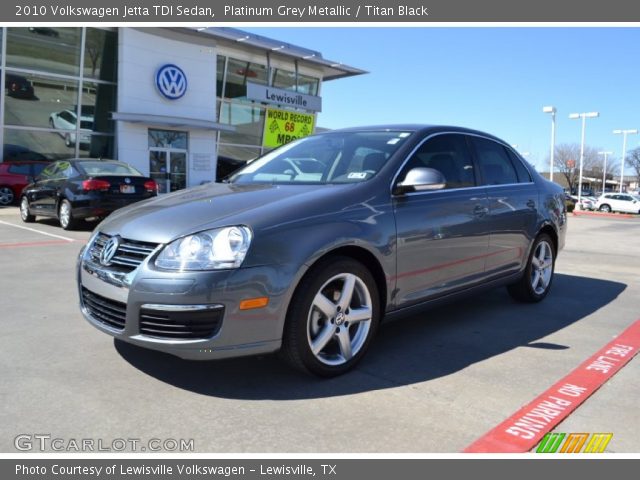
(443, 236)
(168, 159)
(169, 169)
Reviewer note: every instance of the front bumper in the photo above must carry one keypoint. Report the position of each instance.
(211, 296)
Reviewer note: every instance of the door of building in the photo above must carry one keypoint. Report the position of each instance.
(168, 159)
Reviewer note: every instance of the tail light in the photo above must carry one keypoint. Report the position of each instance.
(101, 185)
(151, 186)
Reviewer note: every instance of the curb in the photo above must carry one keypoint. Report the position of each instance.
(602, 214)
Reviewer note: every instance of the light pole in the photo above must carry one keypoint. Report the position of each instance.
(552, 110)
(624, 150)
(584, 117)
(604, 169)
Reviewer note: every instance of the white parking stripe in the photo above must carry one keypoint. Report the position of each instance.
(38, 231)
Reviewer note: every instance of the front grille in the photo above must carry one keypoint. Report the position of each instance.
(129, 255)
(181, 325)
(105, 310)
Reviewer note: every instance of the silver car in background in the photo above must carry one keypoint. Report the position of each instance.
(308, 248)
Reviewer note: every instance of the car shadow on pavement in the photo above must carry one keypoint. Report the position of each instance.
(432, 344)
(53, 222)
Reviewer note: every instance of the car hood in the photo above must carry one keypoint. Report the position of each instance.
(166, 217)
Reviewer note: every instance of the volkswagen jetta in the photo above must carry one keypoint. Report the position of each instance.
(306, 249)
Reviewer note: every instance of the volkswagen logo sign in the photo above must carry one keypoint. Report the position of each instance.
(171, 81)
(127, 180)
(109, 250)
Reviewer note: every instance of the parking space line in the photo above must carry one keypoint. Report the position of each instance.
(67, 239)
(524, 429)
(34, 244)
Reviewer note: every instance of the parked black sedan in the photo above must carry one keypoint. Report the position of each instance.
(76, 189)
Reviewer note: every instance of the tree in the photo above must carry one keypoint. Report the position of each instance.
(633, 160)
(567, 162)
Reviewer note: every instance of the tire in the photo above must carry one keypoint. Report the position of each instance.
(605, 208)
(6, 196)
(320, 313)
(538, 275)
(65, 215)
(67, 140)
(25, 215)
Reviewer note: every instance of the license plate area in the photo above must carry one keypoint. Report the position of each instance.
(127, 189)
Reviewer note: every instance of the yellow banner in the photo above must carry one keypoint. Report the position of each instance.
(284, 126)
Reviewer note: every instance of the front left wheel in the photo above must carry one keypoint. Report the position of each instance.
(332, 318)
(25, 215)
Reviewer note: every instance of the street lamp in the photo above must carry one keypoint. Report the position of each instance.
(552, 110)
(604, 168)
(624, 150)
(584, 117)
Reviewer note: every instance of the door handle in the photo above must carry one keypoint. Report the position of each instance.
(480, 210)
(531, 204)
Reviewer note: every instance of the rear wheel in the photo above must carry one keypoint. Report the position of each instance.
(605, 208)
(65, 215)
(332, 318)
(6, 196)
(538, 276)
(24, 211)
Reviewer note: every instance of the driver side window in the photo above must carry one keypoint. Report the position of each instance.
(447, 154)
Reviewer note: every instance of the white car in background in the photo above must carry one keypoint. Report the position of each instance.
(66, 121)
(618, 202)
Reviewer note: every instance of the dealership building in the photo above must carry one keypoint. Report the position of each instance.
(169, 101)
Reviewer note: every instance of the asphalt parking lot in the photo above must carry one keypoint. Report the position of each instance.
(431, 383)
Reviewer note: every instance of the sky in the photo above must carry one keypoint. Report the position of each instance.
(488, 78)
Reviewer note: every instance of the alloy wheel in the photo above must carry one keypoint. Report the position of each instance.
(6, 196)
(339, 319)
(541, 267)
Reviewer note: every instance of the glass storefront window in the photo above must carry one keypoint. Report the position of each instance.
(47, 49)
(248, 120)
(99, 146)
(40, 101)
(237, 152)
(219, 75)
(284, 79)
(308, 85)
(167, 139)
(238, 73)
(98, 101)
(100, 54)
(33, 144)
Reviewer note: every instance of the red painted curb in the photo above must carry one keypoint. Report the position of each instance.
(524, 429)
(35, 244)
(603, 214)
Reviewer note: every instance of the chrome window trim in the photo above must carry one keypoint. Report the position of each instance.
(406, 160)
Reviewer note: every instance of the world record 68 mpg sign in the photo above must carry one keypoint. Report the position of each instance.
(284, 126)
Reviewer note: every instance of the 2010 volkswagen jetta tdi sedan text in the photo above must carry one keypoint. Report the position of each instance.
(307, 248)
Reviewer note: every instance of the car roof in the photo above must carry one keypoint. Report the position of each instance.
(418, 128)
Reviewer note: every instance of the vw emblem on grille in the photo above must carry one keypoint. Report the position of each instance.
(109, 250)
(171, 81)
(127, 180)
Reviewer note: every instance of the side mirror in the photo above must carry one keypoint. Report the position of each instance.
(421, 179)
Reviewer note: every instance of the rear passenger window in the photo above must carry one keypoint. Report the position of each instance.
(495, 166)
(449, 155)
(523, 174)
(20, 169)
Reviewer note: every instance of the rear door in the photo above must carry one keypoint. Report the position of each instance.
(513, 205)
(443, 235)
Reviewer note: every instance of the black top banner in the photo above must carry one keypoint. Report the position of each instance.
(335, 11)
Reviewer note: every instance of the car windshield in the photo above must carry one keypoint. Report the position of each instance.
(334, 157)
(108, 168)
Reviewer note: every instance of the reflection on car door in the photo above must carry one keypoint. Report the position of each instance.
(513, 205)
(443, 235)
(44, 190)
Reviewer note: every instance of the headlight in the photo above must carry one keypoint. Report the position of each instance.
(210, 250)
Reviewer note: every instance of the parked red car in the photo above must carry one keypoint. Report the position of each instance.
(14, 176)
